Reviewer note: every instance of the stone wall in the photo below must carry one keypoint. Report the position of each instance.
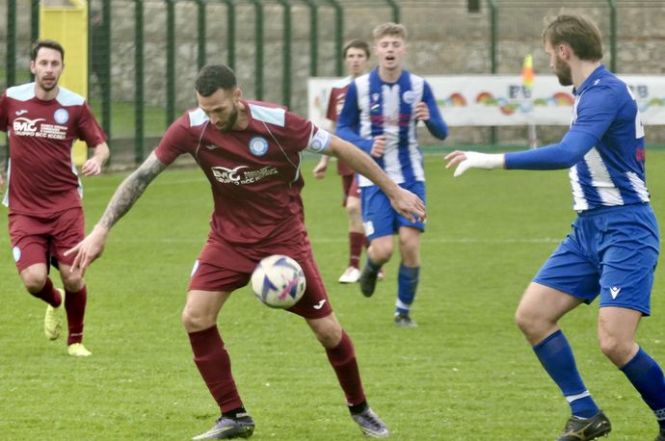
(444, 38)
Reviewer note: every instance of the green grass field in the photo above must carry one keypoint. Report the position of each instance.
(464, 374)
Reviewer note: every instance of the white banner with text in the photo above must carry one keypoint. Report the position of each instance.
(502, 100)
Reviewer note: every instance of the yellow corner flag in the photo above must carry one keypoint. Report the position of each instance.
(527, 73)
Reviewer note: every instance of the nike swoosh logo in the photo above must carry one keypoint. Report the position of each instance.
(320, 304)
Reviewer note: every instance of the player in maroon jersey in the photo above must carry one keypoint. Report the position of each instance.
(356, 55)
(43, 191)
(249, 152)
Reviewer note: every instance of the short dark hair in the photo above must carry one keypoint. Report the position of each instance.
(49, 44)
(579, 32)
(213, 77)
(356, 44)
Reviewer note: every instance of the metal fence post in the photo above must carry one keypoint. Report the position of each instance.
(494, 24)
(339, 37)
(313, 37)
(11, 43)
(286, 56)
(396, 12)
(170, 61)
(231, 32)
(613, 35)
(258, 64)
(138, 81)
(201, 33)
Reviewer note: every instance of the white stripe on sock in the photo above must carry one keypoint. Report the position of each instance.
(571, 398)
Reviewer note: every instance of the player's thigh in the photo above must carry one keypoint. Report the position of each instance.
(314, 303)
(205, 303)
(417, 188)
(68, 229)
(544, 303)
(379, 217)
(570, 270)
(30, 240)
(630, 253)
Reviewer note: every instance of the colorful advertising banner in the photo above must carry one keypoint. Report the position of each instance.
(507, 100)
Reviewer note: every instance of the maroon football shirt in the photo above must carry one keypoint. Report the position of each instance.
(335, 105)
(42, 179)
(254, 173)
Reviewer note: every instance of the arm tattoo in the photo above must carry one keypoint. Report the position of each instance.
(130, 190)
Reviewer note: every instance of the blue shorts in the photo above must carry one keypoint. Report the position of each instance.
(380, 218)
(610, 251)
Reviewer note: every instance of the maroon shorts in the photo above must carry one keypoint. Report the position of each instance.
(350, 187)
(226, 267)
(36, 239)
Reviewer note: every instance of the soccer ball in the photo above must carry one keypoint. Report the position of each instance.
(278, 281)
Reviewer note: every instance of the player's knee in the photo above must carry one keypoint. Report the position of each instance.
(528, 323)
(619, 351)
(195, 320)
(72, 282)
(353, 211)
(327, 330)
(33, 281)
(381, 253)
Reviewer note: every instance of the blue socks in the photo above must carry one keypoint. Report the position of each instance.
(407, 283)
(647, 377)
(556, 356)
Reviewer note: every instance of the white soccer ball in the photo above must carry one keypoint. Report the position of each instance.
(278, 281)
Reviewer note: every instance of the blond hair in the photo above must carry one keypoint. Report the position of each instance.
(389, 29)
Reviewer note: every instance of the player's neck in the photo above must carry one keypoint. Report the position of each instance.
(243, 119)
(390, 75)
(583, 71)
(46, 95)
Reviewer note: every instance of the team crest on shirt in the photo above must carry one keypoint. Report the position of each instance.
(61, 116)
(258, 146)
(409, 97)
(16, 252)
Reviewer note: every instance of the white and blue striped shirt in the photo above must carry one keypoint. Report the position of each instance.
(373, 107)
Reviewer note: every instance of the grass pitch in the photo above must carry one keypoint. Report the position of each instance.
(464, 374)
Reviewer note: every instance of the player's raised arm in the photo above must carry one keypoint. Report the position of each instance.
(406, 203)
(123, 199)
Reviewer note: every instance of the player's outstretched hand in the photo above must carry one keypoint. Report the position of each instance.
(91, 167)
(89, 249)
(467, 160)
(408, 205)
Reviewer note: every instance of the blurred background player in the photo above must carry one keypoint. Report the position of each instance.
(250, 153)
(356, 55)
(380, 114)
(43, 193)
(613, 247)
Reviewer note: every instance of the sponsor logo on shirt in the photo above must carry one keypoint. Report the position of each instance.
(240, 176)
(61, 116)
(36, 128)
(16, 252)
(258, 146)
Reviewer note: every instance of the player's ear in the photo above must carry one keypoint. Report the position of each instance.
(32, 67)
